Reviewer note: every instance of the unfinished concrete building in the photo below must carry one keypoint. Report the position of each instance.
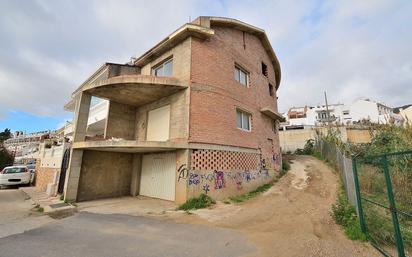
(197, 113)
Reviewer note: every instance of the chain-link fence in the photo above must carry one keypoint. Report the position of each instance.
(342, 163)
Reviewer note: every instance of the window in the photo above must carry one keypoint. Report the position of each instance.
(264, 69)
(14, 170)
(345, 112)
(241, 76)
(165, 69)
(271, 92)
(243, 120)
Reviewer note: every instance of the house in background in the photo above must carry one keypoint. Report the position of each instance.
(339, 114)
(195, 114)
(372, 111)
(96, 121)
(406, 114)
(52, 152)
(51, 166)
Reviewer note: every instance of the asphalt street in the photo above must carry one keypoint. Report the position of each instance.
(90, 234)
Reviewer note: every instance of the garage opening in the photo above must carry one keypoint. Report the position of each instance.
(104, 175)
(158, 176)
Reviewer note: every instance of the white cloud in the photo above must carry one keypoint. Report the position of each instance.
(349, 48)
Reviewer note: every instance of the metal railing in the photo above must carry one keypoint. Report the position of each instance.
(384, 191)
(380, 186)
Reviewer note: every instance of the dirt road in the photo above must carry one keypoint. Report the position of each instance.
(292, 218)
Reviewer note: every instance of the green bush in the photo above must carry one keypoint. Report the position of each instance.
(285, 168)
(308, 149)
(6, 158)
(354, 232)
(203, 201)
(345, 215)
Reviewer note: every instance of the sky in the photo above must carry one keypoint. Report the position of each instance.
(349, 48)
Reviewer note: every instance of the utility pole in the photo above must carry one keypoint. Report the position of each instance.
(327, 109)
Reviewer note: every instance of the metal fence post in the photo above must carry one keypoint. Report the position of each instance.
(358, 196)
(391, 198)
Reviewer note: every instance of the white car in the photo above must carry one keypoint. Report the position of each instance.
(15, 175)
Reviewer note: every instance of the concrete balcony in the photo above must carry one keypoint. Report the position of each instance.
(134, 90)
(124, 83)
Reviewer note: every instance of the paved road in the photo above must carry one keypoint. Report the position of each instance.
(89, 234)
(16, 215)
(14, 205)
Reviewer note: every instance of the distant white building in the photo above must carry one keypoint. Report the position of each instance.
(368, 110)
(338, 114)
(25, 147)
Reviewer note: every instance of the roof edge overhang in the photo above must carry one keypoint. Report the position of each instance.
(201, 28)
(272, 114)
(172, 40)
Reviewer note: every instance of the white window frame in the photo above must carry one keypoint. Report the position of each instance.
(238, 70)
(161, 66)
(249, 115)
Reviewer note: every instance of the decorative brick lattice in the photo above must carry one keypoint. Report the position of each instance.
(224, 160)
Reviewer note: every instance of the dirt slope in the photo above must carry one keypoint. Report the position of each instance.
(292, 218)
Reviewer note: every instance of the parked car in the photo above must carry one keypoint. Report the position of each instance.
(32, 169)
(15, 175)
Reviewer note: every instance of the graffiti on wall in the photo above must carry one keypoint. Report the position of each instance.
(182, 172)
(219, 179)
(276, 158)
(194, 179)
(206, 188)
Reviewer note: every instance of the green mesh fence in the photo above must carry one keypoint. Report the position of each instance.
(384, 184)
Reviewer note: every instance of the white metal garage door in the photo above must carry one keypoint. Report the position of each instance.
(158, 176)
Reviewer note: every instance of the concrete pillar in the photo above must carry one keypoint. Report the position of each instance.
(80, 126)
(136, 171)
(81, 116)
(182, 173)
(73, 175)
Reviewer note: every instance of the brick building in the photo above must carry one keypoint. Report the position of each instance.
(195, 114)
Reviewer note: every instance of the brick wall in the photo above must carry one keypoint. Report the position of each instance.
(221, 174)
(44, 176)
(215, 94)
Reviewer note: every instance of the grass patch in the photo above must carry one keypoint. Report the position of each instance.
(247, 196)
(61, 197)
(203, 201)
(226, 202)
(345, 215)
(318, 155)
(38, 208)
(285, 168)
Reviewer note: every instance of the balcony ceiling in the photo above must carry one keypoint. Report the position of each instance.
(135, 90)
(129, 146)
